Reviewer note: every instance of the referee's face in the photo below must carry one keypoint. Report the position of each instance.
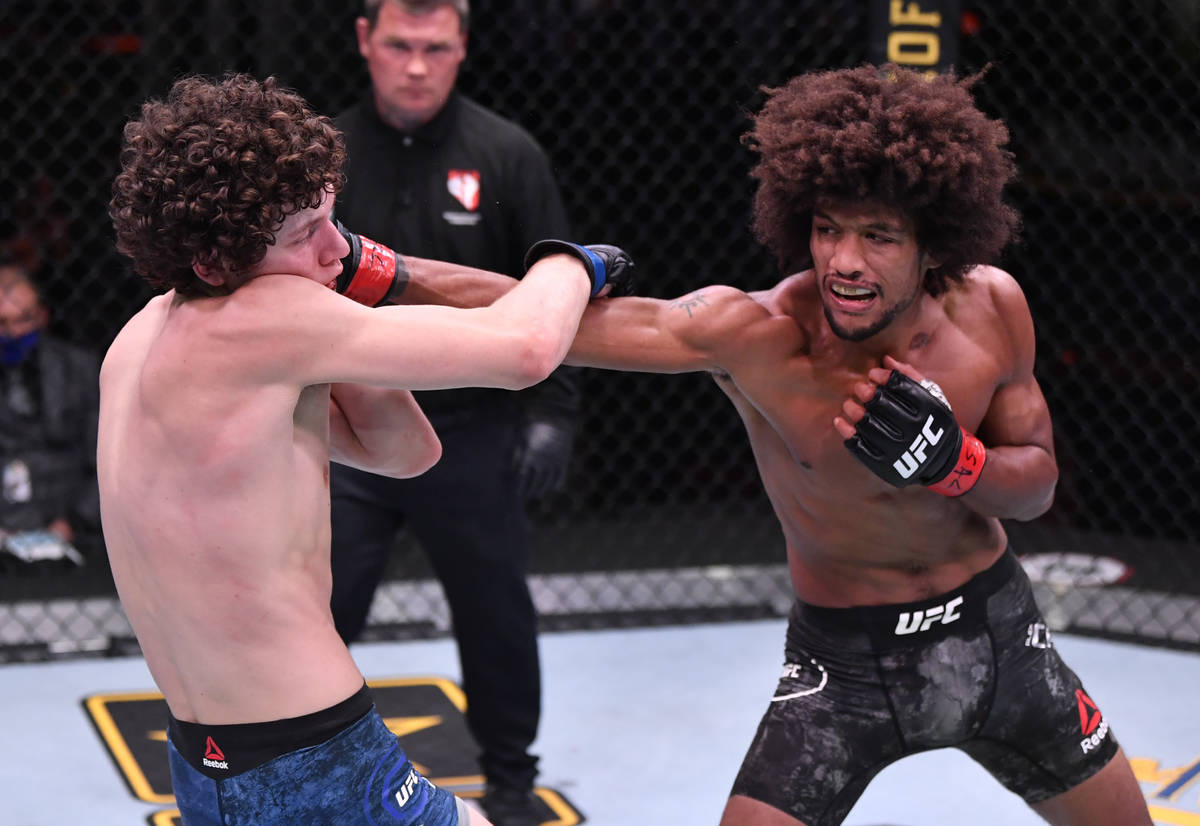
(413, 60)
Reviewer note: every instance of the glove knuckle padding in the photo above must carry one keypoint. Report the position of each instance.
(620, 269)
(873, 436)
(907, 436)
(605, 264)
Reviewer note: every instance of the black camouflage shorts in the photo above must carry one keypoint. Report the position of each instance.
(974, 669)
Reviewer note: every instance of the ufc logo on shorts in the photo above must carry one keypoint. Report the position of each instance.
(915, 456)
(911, 622)
(406, 789)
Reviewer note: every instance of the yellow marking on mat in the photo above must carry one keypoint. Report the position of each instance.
(401, 726)
(98, 707)
(450, 688)
(1173, 817)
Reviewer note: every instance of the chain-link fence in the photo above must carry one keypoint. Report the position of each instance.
(640, 106)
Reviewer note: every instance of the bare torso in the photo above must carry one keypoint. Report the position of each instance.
(851, 538)
(210, 477)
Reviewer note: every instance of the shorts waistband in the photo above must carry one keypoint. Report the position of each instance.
(222, 751)
(905, 623)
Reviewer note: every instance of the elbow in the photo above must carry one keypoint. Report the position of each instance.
(1046, 503)
(536, 357)
(1021, 491)
(1033, 509)
(418, 458)
(1035, 506)
(431, 455)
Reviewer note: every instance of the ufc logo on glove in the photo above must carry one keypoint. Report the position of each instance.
(908, 435)
(915, 456)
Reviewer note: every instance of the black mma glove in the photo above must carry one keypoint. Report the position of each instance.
(542, 456)
(371, 273)
(610, 268)
(909, 436)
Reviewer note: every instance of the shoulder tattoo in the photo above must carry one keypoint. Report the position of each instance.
(690, 302)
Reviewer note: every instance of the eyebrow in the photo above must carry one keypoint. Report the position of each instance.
(894, 229)
(300, 229)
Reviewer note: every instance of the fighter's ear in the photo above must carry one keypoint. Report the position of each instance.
(208, 275)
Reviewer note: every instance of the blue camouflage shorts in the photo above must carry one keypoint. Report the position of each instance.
(338, 766)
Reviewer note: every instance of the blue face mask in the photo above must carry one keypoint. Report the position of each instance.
(13, 351)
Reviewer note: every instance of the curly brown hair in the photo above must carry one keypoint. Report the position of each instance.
(209, 174)
(886, 135)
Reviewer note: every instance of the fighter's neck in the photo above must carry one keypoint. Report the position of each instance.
(910, 330)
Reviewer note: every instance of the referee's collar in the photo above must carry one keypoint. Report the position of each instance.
(432, 133)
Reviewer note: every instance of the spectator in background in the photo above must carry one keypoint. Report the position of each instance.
(49, 399)
(433, 174)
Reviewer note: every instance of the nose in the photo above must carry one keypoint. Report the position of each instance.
(16, 321)
(417, 65)
(847, 255)
(338, 247)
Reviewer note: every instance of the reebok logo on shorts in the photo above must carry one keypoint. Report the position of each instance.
(214, 758)
(910, 622)
(1091, 722)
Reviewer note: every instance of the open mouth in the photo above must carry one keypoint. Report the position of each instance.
(851, 293)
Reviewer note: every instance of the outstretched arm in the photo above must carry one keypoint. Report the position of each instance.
(374, 274)
(702, 330)
(451, 285)
(298, 332)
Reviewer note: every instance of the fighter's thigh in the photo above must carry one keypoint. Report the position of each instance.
(1111, 797)
(1045, 735)
(745, 811)
(826, 732)
(469, 815)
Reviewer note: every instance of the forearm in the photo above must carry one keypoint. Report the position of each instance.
(451, 285)
(631, 333)
(545, 310)
(1017, 482)
(380, 430)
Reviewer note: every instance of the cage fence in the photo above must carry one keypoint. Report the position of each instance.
(641, 109)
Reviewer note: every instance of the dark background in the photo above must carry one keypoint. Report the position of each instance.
(640, 107)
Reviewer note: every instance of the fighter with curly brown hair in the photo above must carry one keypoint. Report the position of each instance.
(222, 403)
(888, 391)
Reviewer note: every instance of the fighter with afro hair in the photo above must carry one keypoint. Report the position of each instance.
(886, 385)
(892, 137)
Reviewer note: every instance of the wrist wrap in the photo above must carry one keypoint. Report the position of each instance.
(592, 263)
(965, 473)
(369, 272)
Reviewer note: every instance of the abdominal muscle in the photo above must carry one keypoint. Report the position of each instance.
(852, 539)
(886, 552)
